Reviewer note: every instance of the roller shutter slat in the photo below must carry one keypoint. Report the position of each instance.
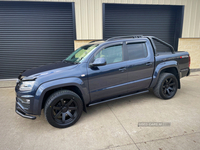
(34, 34)
(155, 20)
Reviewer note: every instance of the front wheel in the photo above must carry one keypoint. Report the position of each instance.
(166, 87)
(63, 108)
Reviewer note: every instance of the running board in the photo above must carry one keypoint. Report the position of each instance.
(118, 98)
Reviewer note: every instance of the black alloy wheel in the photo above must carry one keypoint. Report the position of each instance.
(167, 86)
(63, 108)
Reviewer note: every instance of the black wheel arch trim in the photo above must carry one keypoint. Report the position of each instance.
(164, 66)
(56, 84)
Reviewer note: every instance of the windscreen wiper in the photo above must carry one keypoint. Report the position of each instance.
(66, 61)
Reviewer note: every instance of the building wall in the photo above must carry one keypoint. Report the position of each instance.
(79, 43)
(191, 45)
(89, 16)
(89, 23)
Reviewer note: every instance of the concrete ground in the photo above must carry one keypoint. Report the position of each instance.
(112, 125)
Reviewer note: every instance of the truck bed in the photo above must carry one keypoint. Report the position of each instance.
(182, 59)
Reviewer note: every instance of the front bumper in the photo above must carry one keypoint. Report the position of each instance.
(20, 111)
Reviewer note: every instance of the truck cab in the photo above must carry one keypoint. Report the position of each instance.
(98, 72)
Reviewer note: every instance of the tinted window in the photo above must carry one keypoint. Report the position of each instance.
(161, 47)
(112, 54)
(136, 50)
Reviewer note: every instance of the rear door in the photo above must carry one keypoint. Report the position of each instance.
(110, 80)
(140, 64)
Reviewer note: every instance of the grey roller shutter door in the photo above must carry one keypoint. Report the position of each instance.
(34, 34)
(164, 22)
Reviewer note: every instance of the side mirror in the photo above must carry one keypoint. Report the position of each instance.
(98, 62)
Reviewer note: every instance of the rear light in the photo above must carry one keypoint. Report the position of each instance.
(189, 61)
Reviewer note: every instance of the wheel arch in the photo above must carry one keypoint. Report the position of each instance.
(166, 67)
(174, 71)
(72, 88)
(45, 90)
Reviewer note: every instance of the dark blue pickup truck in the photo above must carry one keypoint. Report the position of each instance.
(98, 72)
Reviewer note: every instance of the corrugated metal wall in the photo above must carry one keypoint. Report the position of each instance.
(89, 15)
(162, 21)
(89, 22)
(34, 34)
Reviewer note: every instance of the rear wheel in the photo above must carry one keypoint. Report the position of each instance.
(63, 108)
(166, 87)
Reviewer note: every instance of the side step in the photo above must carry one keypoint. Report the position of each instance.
(118, 97)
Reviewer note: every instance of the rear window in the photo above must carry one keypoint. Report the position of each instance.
(160, 47)
(137, 51)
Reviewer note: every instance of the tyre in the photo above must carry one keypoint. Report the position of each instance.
(63, 108)
(166, 87)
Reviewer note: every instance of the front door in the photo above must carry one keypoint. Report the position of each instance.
(108, 81)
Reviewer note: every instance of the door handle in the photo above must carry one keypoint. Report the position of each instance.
(148, 64)
(122, 69)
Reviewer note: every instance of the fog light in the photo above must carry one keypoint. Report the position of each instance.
(24, 101)
(27, 101)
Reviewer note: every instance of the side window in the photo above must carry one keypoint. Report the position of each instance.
(137, 51)
(112, 54)
(161, 47)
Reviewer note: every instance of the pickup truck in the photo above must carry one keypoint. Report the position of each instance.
(99, 72)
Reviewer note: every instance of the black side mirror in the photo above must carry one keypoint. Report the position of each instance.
(98, 62)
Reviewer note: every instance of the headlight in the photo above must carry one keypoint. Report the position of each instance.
(26, 86)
